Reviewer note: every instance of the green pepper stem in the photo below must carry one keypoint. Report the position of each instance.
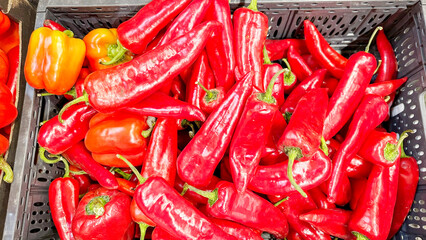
(286, 63)
(5, 167)
(324, 146)
(143, 226)
(96, 206)
(390, 152)
(287, 116)
(266, 59)
(126, 176)
(134, 170)
(211, 196)
(267, 96)
(45, 94)
(289, 77)
(401, 145)
(78, 173)
(281, 201)
(84, 98)
(386, 98)
(367, 48)
(210, 94)
(292, 155)
(253, 5)
(151, 124)
(69, 33)
(360, 236)
(57, 158)
(115, 53)
(378, 66)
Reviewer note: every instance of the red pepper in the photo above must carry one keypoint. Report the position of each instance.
(200, 157)
(63, 201)
(237, 230)
(161, 234)
(344, 190)
(79, 156)
(331, 221)
(83, 179)
(126, 84)
(12, 80)
(358, 187)
(8, 111)
(57, 137)
(78, 89)
(302, 136)
(135, 33)
(53, 25)
(350, 90)
(271, 154)
(407, 185)
(331, 85)
(277, 49)
(295, 205)
(269, 70)
(308, 173)
(320, 199)
(4, 67)
(211, 99)
(311, 62)
(178, 89)
(225, 170)
(389, 67)
(10, 38)
(293, 235)
(4, 23)
(325, 55)
(312, 82)
(370, 113)
(173, 213)
(126, 186)
(96, 216)
(250, 30)
(223, 64)
(298, 65)
(192, 196)
(385, 88)
(226, 203)
(251, 135)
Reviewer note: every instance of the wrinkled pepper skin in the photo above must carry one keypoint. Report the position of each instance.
(248, 209)
(126, 84)
(200, 157)
(53, 60)
(171, 212)
(237, 230)
(136, 33)
(56, 138)
(98, 42)
(63, 202)
(108, 225)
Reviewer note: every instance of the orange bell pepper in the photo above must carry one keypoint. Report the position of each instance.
(104, 50)
(54, 60)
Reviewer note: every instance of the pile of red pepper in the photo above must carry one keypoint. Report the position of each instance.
(9, 65)
(179, 120)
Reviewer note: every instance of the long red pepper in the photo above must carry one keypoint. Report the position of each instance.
(370, 113)
(226, 203)
(251, 135)
(178, 89)
(12, 80)
(407, 185)
(331, 221)
(293, 207)
(250, 30)
(358, 187)
(344, 190)
(277, 49)
(269, 70)
(320, 199)
(161, 234)
(309, 174)
(302, 136)
(200, 157)
(311, 62)
(173, 213)
(79, 156)
(298, 65)
(322, 51)
(192, 196)
(237, 230)
(385, 88)
(351, 88)
(389, 67)
(135, 33)
(53, 25)
(57, 137)
(312, 82)
(223, 59)
(126, 84)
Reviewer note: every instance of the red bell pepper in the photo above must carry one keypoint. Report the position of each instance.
(302, 136)
(10, 38)
(224, 64)
(4, 67)
(53, 25)
(4, 23)
(12, 81)
(312, 82)
(407, 185)
(331, 221)
(129, 83)
(298, 65)
(358, 187)
(250, 30)
(320, 199)
(237, 230)
(4, 166)
(389, 67)
(277, 49)
(370, 113)
(173, 213)
(325, 55)
(8, 111)
(96, 216)
(192, 196)
(211, 98)
(308, 173)
(295, 205)
(385, 88)
(269, 70)
(135, 33)
(56, 138)
(79, 156)
(251, 135)
(200, 157)
(226, 203)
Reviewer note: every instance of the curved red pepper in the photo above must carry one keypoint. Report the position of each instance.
(311, 62)
(385, 88)
(12, 80)
(331, 221)
(344, 190)
(308, 173)
(200, 157)
(277, 49)
(57, 137)
(349, 92)
(250, 30)
(237, 230)
(370, 113)
(135, 33)
(389, 67)
(53, 25)
(126, 186)
(178, 89)
(320, 199)
(331, 85)
(298, 65)
(173, 213)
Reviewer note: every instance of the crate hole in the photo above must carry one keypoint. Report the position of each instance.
(47, 171)
(340, 20)
(332, 31)
(275, 33)
(33, 221)
(353, 19)
(345, 31)
(38, 204)
(74, 9)
(299, 19)
(329, 26)
(334, 17)
(35, 230)
(279, 21)
(342, 26)
(413, 107)
(325, 20)
(421, 153)
(34, 213)
(418, 137)
(362, 31)
(337, 33)
(372, 19)
(416, 146)
(411, 61)
(411, 115)
(42, 179)
(40, 220)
